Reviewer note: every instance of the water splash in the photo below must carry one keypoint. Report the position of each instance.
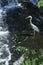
(5, 55)
(13, 1)
(12, 4)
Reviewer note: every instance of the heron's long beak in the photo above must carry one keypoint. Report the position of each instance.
(27, 17)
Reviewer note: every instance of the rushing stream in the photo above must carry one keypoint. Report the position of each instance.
(5, 54)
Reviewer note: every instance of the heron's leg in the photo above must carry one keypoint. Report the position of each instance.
(33, 33)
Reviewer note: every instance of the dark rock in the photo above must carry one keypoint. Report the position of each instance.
(16, 16)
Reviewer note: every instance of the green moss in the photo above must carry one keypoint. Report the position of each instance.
(40, 3)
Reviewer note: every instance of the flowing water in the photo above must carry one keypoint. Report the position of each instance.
(5, 54)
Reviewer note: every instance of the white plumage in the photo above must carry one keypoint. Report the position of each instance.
(35, 28)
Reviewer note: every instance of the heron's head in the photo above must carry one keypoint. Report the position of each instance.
(29, 17)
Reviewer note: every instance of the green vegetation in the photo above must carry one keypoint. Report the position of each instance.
(40, 3)
(32, 57)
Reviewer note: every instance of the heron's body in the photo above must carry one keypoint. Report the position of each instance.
(35, 28)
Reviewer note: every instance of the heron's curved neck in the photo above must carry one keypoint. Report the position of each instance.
(30, 21)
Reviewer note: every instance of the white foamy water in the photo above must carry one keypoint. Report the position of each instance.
(13, 5)
(5, 55)
(2, 33)
(13, 1)
(19, 61)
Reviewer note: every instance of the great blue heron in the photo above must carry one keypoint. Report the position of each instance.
(35, 28)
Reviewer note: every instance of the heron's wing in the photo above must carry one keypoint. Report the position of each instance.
(35, 27)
